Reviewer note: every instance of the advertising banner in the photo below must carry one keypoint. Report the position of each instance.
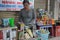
(13, 5)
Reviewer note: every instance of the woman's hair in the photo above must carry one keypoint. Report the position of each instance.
(26, 1)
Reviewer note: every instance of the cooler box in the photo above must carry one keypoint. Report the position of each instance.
(1, 35)
(57, 31)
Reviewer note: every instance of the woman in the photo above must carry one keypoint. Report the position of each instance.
(27, 15)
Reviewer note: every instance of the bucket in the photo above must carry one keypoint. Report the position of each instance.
(5, 22)
(44, 36)
(11, 22)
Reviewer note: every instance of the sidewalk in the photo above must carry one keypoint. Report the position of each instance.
(55, 38)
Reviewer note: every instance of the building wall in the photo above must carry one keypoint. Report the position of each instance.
(56, 9)
(5, 14)
(40, 4)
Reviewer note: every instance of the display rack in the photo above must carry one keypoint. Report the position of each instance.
(45, 26)
(4, 30)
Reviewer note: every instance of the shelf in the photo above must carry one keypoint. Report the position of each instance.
(20, 30)
(8, 28)
(45, 26)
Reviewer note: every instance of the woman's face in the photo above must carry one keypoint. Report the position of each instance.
(26, 5)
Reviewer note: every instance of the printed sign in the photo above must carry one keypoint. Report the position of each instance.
(13, 5)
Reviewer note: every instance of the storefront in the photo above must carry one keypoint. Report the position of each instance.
(46, 24)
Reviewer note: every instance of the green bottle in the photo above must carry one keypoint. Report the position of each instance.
(11, 22)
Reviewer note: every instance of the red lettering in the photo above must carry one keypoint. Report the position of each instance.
(11, 9)
(14, 9)
(8, 2)
(3, 2)
(19, 2)
(11, 2)
(8, 9)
